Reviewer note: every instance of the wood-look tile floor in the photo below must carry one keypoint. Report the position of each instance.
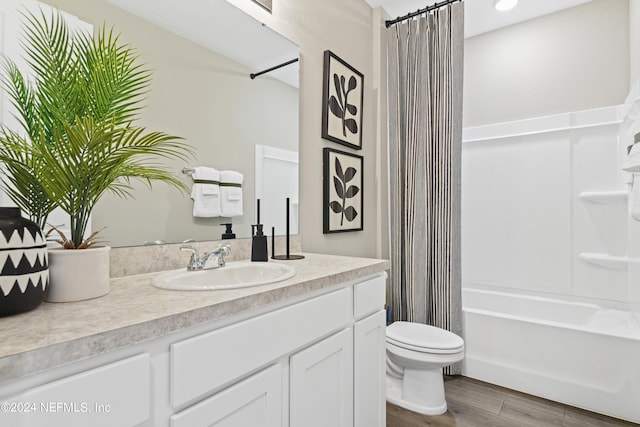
(472, 403)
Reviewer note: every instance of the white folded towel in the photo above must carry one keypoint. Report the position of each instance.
(206, 192)
(231, 193)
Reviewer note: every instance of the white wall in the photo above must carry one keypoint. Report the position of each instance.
(634, 42)
(573, 60)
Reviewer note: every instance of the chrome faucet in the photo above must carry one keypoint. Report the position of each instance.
(197, 262)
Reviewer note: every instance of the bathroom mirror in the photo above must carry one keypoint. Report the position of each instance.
(201, 57)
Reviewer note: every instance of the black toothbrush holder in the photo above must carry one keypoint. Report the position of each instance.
(287, 256)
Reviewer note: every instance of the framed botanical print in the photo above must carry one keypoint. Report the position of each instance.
(342, 102)
(342, 193)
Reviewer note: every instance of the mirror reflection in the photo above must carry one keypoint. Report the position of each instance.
(233, 122)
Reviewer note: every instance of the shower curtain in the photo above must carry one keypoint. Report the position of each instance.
(425, 63)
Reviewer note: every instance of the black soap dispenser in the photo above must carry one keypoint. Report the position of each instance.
(259, 245)
(228, 234)
(258, 240)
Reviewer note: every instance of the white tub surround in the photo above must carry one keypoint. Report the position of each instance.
(310, 348)
(550, 250)
(576, 353)
(544, 205)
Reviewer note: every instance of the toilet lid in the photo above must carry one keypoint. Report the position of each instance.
(425, 338)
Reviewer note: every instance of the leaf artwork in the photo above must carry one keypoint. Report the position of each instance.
(340, 106)
(340, 183)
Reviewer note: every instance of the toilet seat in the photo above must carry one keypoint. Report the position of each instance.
(423, 338)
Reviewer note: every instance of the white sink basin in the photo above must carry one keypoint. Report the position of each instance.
(236, 274)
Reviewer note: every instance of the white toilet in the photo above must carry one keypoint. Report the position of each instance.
(416, 354)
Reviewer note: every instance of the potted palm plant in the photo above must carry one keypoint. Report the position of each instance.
(78, 140)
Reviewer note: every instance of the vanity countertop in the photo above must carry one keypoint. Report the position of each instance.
(135, 311)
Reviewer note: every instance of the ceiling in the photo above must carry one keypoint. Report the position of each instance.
(480, 15)
(213, 23)
(223, 28)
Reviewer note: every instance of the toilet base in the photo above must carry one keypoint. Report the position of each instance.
(410, 392)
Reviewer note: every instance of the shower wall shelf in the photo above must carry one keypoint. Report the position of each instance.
(604, 196)
(605, 260)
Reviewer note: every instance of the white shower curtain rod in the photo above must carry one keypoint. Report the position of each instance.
(418, 12)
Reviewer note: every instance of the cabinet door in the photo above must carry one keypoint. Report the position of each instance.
(322, 383)
(369, 371)
(255, 402)
(117, 394)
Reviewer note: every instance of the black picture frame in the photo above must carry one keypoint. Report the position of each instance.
(343, 194)
(343, 95)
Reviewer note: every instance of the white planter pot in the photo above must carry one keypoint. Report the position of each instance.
(78, 274)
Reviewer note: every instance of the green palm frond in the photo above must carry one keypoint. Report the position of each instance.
(77, 114)
(91, 158)
(21, 177)
(52, 58)
(21, 96)
(114, 80)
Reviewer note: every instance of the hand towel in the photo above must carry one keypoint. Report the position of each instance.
(206, 192)
(231, 193)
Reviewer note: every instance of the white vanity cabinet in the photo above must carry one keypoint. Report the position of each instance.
(320, 361)
(316, 360)
(210, 361)
(340, 381)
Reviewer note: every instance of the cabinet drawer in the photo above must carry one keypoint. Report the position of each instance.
(255, 402)
(117, 394)
(206, 362)
(369, 296)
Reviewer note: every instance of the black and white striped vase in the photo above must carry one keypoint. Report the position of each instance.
(24, 277)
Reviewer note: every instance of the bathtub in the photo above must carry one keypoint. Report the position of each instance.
(576, 353)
